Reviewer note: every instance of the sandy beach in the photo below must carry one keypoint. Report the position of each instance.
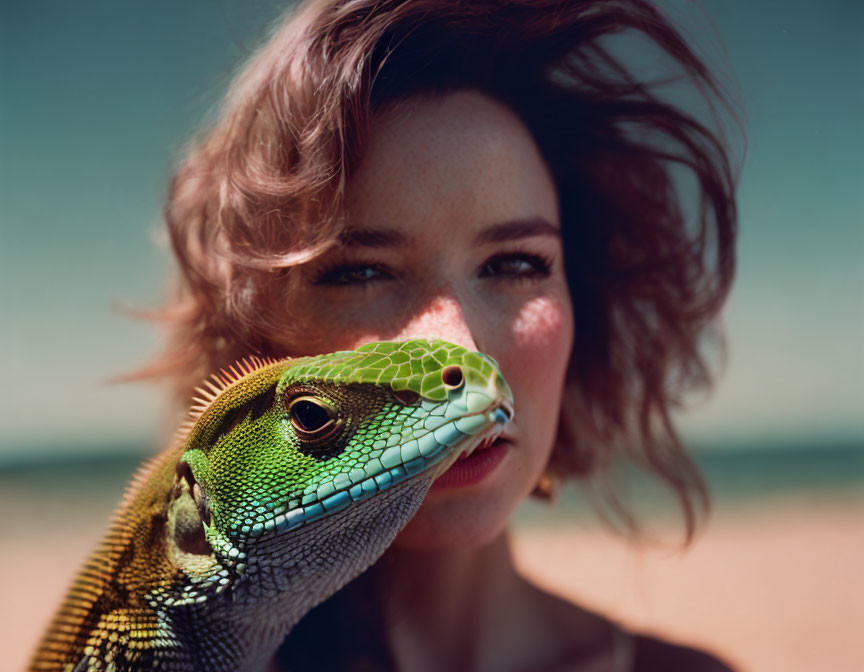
(773, 586)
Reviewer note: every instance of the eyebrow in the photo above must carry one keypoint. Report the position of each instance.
(496, 233)
(516, 229)
(374, 238)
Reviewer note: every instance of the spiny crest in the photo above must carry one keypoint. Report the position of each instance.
(206, 393)
(139, 481)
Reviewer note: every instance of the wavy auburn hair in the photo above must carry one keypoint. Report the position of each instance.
(261, 191)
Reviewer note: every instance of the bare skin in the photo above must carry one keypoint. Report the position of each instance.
(466, 248)
(456, 235)
(479, 614)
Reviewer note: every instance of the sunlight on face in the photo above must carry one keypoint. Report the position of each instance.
(454, 234)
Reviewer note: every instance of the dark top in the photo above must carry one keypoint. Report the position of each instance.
(655, 655)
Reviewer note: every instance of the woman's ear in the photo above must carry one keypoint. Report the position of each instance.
(570, 456)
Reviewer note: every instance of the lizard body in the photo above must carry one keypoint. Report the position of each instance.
(289, 479)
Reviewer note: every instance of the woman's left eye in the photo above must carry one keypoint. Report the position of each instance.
(520, 265)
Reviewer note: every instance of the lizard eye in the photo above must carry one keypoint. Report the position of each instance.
(312, 417)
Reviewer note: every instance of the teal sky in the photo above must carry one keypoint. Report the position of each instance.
(97, 98)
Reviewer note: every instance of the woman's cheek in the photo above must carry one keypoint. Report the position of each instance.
(542, 331)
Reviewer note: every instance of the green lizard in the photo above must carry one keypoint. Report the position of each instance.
(288, 480)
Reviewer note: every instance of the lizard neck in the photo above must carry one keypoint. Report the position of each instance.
(223, 637)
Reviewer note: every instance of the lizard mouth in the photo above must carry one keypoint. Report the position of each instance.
(499, 413)
(483, 445)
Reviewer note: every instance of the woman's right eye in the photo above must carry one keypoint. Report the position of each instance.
(352, 274)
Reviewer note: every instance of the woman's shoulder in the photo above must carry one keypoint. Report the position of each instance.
(650, 654)
(594, 642)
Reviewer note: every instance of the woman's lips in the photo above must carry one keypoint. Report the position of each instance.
(474, 468)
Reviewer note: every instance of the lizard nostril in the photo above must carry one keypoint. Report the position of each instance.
(452, 377)
(504, 413)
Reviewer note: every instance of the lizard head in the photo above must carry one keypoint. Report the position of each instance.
(309, 467)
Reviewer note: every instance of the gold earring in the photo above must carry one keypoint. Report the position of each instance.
(547, 487)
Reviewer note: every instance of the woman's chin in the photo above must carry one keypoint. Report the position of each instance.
(433, 530)
(467, 507)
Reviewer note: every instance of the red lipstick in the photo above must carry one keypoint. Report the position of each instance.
(474, 468)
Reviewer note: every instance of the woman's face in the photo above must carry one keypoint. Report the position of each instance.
(454, 234)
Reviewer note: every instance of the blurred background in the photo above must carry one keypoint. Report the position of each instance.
(96, 101)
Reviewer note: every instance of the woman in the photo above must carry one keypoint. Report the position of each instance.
(488, 173)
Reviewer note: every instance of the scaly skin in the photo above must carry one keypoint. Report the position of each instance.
(262, 509)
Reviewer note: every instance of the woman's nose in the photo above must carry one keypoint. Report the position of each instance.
(442, 318)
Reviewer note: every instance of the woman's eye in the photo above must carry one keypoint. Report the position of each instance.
(352, 274)
(516, 266)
